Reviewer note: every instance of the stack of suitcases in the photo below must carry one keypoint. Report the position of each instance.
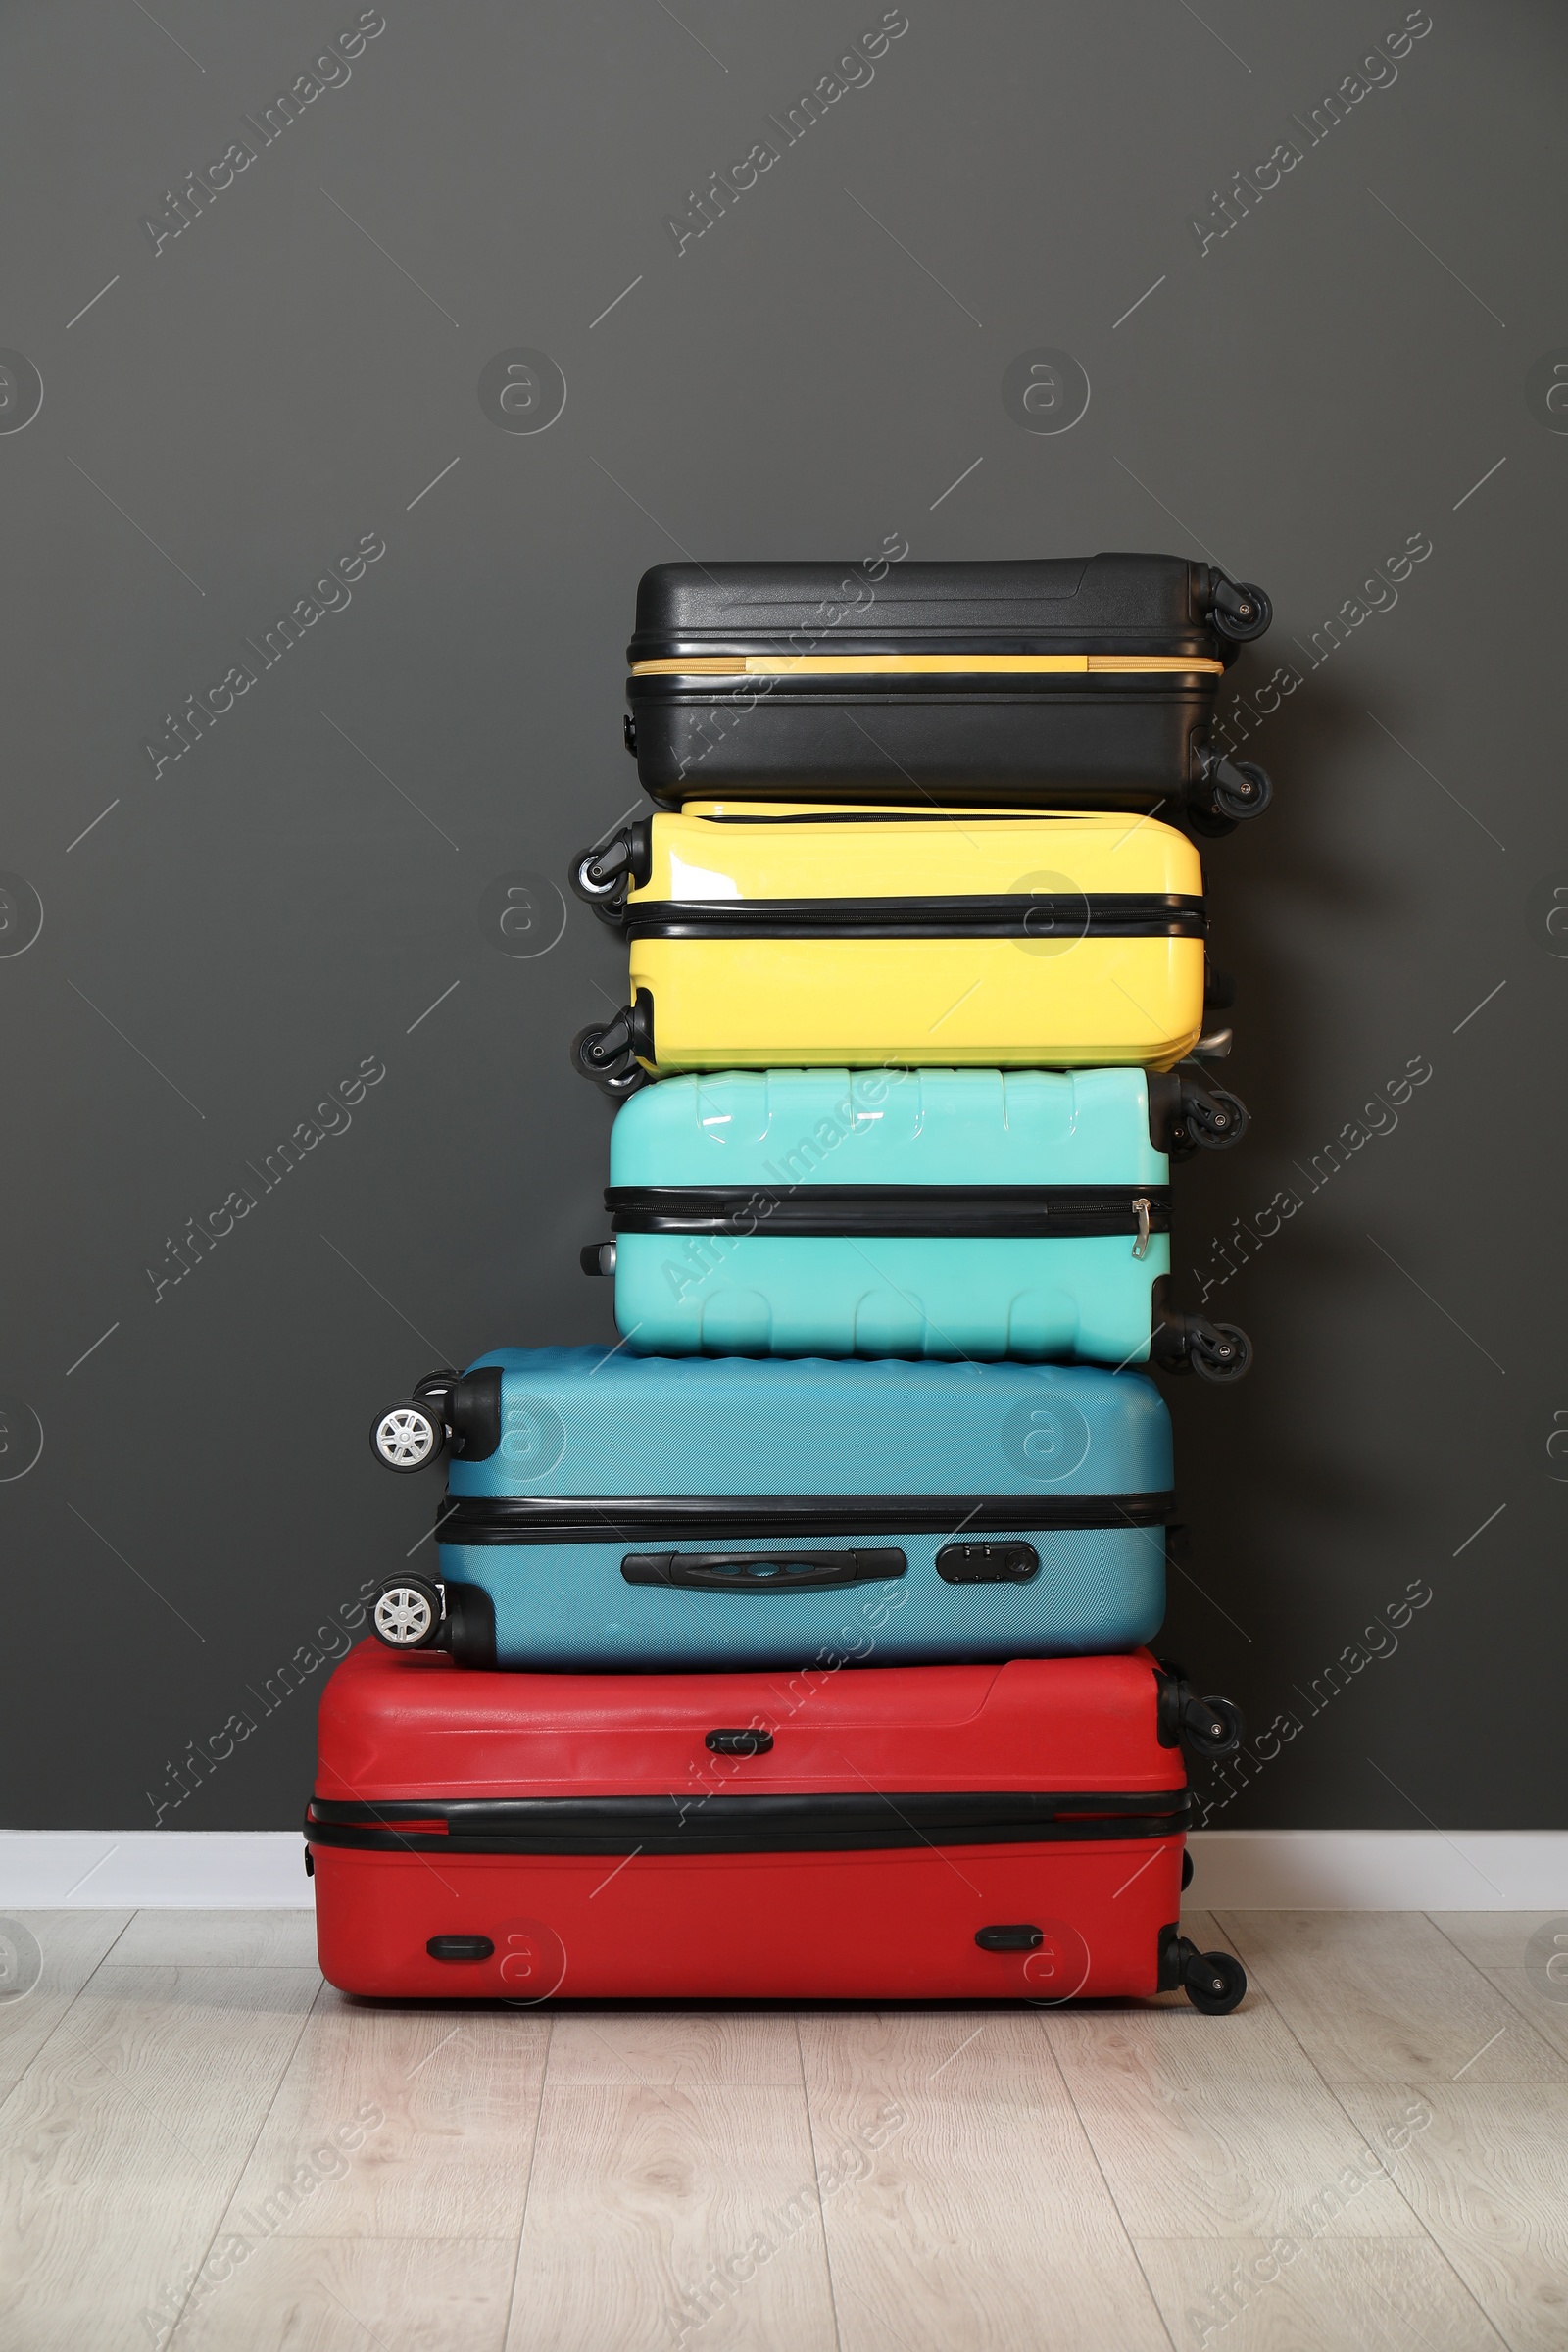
(797, 1648)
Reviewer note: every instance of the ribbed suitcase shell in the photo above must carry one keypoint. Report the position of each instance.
(1109, 738)
(1053, 994)
(766, 1461)
(775, 1139)
(817, 1870)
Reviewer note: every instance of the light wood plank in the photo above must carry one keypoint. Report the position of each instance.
(1242, 2164)
(684, 2046)
(220, 1939)
(70, 1944)
(1488, 2178)
(1333, 2294)
(119, 2146)
(199, 2049)
(1383, 1997)
(334, 2294)
(673, 2216)
(440, 2103)
(1495, 1942)
(1169, 2044)
(881, 2055)
(962, 2204)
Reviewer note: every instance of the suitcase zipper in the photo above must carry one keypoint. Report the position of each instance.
(486, 1519)
(924, 1212)
(908, 815)
(905, 665)
(745, 1823)
(1109, 915)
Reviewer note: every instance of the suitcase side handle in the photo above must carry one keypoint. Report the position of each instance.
(762, 1572)
(1024, 1937)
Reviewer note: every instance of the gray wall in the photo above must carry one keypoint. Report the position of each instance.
(1363, 360)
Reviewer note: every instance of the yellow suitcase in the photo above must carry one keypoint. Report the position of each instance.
(792, 935)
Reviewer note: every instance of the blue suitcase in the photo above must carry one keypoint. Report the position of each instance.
(963, 1213)
(611, 1512)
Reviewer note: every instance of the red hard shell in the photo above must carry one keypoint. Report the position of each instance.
(855, 1925)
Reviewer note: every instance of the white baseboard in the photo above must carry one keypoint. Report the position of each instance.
(1233, 1870)
(1380, 1870)
(148, 1870)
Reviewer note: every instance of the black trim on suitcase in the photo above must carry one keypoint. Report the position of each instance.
(1074, 915)
(845, 649)
(944, 1211)
(480, 1519)
(869, 1821)
(910, 814)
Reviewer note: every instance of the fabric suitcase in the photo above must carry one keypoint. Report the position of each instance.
(953, 1214)
(760, 939)
(607, 1511)
(951, 1833)
(1080, 682)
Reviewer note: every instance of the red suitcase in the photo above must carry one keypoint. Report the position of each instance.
(948, 1833)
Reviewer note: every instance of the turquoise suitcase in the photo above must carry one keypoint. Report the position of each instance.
(961, 1215)
(613, 1513)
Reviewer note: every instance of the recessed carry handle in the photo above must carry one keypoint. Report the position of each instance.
(751, 1741)
(761, 1572)
(1021, 1939)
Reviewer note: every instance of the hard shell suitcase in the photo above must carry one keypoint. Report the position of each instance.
(607, 1511)
(1079, 682)
(769, 938)
(950, 1213)
(948, 1833)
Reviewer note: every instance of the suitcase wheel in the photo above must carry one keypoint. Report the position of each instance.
(407, 1437)
(603, 875)
(1186, 1343)
(1247, 796)
(1219, 1352)
(1214, 1981)
(1186, 1869)
(614, 1076)
(1238, 611)
(1211, 1727)
(602, 1053)
(407, 1613)
(1214, 1117)
(605, 893)
(1231, 792)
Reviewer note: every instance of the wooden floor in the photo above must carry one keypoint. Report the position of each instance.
(203, 2146)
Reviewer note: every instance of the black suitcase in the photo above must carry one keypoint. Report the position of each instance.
(1077, 682)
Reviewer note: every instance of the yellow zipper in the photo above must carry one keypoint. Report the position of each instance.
(838, 665)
